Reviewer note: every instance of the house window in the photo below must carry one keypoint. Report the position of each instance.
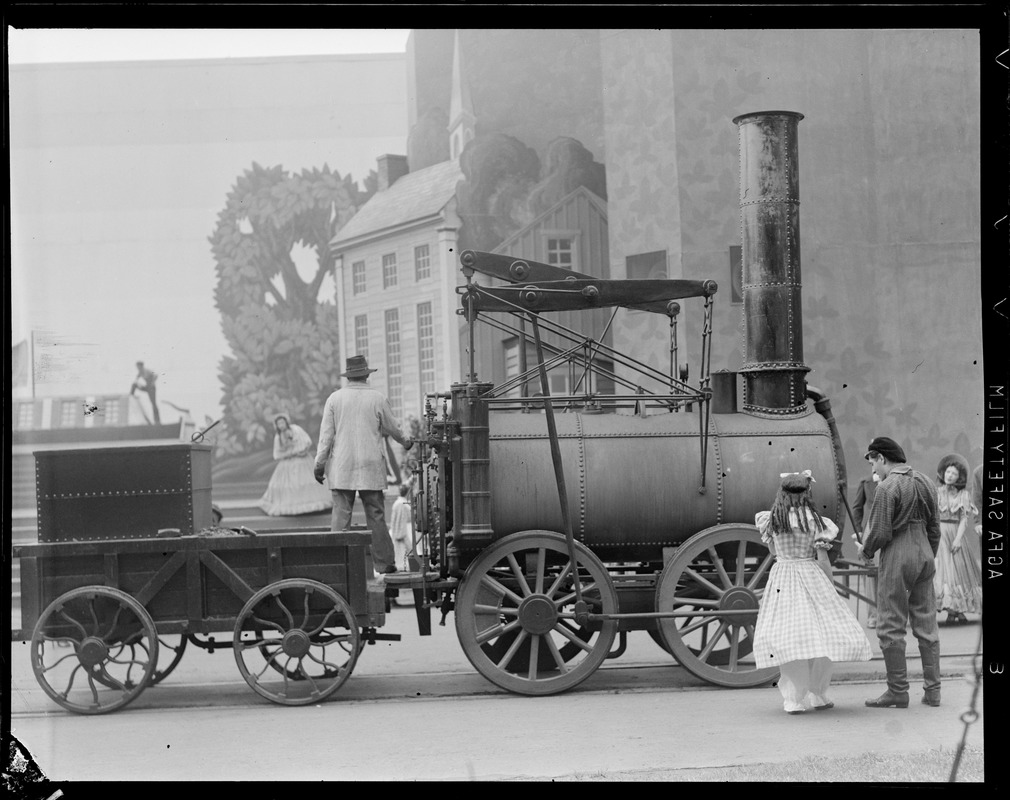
(426, 348)
(113, 408)
(71, 411)
(422, 262)
(108, 412)
(647, 266)
(602, 383)
(389, 270)
(358, 277)
(394, 375)
(361, 335)
(513, 367)
(560, 251)
(26, 416)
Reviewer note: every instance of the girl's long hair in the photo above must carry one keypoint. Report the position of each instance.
(794, 495)
(287, 434)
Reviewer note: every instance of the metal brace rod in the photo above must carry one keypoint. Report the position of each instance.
(581, 609)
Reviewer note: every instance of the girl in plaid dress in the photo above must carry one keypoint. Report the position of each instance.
(803, 626)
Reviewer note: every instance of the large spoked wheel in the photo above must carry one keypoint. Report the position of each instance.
(716, 580)
(94, 649)
(514, 611)
(296, 642)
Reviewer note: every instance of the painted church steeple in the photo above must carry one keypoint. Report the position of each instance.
(461, 117)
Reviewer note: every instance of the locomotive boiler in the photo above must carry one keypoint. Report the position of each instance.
(556, 524)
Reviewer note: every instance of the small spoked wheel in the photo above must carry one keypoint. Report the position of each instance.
(515, 614)
(171, 653)
(94, 649)
(715, 583)
(296, 642)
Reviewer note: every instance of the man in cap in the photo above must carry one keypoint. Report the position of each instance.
(351, 458)
(903, 526)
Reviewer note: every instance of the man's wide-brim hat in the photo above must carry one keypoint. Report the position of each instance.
(357, 367)
(888, 448)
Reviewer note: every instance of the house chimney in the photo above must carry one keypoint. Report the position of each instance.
(391, 169)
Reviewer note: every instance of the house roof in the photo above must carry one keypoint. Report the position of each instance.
(594, 199)
(413, 197)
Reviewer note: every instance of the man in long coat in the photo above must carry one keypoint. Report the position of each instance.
(351, 457)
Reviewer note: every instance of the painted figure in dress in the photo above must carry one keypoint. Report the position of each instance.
(976, 499)
(292, 488)
(803, 626)
(958, 580)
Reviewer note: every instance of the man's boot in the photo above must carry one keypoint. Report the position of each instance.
(930, 673)
(896, 695)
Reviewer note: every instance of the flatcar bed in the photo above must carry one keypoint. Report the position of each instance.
(296, 604)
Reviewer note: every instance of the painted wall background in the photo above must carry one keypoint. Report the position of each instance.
(889, 218)
(118, 171)
(889, 188)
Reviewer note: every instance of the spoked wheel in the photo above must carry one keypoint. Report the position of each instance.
(169, 653)
(94, 649)
(716, 580)
(657, 637)
(296, 642)
(513, 614)
(270, 649)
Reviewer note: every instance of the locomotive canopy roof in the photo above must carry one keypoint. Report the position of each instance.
(571, 290)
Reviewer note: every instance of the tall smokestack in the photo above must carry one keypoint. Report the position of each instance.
(773, 368)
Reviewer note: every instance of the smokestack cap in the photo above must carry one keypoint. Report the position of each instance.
(744, 117)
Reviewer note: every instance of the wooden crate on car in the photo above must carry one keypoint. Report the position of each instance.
(105, 493)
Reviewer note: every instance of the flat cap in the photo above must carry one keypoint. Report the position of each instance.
(888, 448)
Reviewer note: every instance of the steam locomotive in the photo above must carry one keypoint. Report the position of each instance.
(553, 525)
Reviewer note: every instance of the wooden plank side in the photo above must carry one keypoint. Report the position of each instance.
(31, 595)
(157, 581)
(358, 573)
(112, 570)
(228, 576)
(194, 586)
(170, 544)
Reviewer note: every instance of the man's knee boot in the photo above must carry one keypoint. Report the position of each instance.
(896, 695)
(930, 673)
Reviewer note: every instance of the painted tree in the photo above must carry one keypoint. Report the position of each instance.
(282, 334)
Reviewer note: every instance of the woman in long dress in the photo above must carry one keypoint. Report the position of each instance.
(803, 626)
(293, 488)
(958, 578)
